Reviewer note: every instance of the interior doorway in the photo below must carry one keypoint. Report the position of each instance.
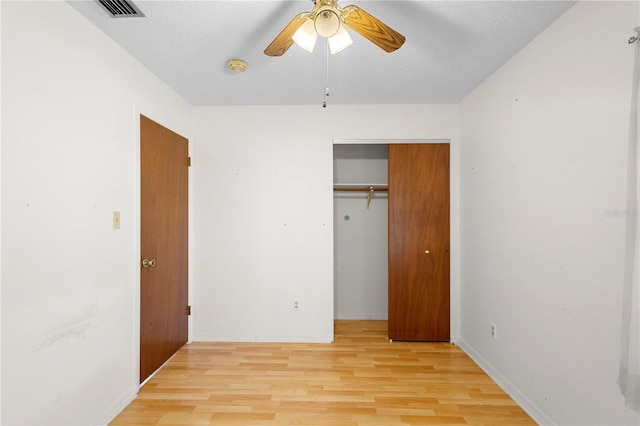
(392, 236)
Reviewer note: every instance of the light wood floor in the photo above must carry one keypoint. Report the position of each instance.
(360, 379)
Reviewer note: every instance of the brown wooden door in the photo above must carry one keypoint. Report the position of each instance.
(164, 227)
(419, 242)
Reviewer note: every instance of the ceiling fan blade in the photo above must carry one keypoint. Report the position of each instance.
(283, 41)
(372, 28)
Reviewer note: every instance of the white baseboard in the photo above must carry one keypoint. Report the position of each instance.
(529, 407)
(117, 407)
(205, 337)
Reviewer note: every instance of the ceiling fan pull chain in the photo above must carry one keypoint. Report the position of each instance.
(326, 90)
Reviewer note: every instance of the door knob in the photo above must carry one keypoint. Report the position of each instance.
(148, 263)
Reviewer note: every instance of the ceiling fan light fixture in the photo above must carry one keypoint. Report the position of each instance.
(327, 18)
(340, 41)
(327, 21)
(306, 36)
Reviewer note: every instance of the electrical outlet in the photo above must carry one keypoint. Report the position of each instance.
(494, 331)
(296, 305)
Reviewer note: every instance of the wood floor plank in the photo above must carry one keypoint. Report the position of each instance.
(360, 379)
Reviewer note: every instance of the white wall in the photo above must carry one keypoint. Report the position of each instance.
(540, 259)
(70, 101)
(264, 215)
(261, 226)
(542, 160)
(360, 237)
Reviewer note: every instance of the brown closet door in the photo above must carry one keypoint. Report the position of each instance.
(419, 242)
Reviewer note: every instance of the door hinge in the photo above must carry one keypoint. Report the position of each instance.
(188, 309)
(188, 161)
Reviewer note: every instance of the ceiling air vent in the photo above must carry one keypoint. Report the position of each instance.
(121, 8)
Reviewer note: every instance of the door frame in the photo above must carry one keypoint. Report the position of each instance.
(454, 222)
(168, 121)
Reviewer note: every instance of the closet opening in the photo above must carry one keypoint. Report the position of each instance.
(360, 231)
(392, 237)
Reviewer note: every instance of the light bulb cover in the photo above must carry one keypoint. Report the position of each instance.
(327, 21)
(340, 41)
(306, 36)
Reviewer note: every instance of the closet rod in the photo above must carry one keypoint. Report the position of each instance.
(359, 187)
(354, 188)
(368, 189)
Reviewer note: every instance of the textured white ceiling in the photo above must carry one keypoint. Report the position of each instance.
(451, 47)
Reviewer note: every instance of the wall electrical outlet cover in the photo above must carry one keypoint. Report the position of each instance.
(296, 305)
(494, 331)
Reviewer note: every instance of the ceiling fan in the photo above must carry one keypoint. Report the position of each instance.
(329, 20)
